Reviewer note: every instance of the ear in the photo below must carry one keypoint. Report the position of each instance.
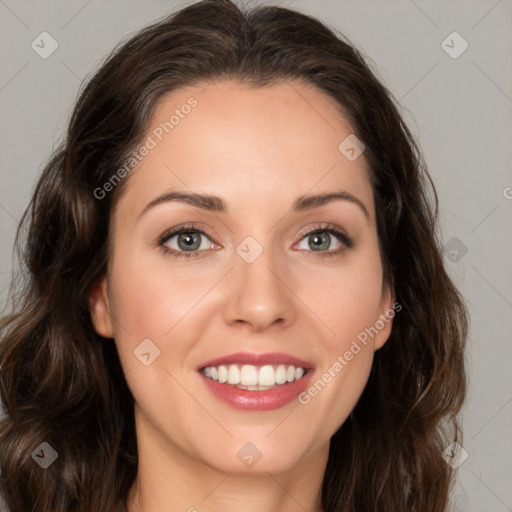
(99, 308)
(384, 322)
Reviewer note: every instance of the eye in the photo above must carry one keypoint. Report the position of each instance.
(187, 241)
(321, 239)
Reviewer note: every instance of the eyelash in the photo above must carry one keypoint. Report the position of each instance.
(339, 233)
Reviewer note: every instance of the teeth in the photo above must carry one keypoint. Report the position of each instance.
(223, 374)
(266, 376)
(233, 374)
(249, 375)
(252, 377)
(281, 374)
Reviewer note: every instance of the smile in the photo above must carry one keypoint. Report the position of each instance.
(256, 382)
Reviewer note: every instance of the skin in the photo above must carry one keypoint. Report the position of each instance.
(259, 150)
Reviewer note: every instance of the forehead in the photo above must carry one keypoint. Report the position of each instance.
(268, 144)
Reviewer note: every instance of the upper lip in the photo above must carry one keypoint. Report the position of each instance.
(257, 360)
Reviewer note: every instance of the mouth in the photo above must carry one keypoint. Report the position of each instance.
(256, 382)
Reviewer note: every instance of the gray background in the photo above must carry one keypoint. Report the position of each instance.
(459, 108)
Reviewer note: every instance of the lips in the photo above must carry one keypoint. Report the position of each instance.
(258, 360)
(256, 381)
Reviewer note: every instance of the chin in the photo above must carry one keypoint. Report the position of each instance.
(257, 457)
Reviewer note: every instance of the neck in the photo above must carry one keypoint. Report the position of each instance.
(170, 479)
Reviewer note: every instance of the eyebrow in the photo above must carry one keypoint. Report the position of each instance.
(217, 204)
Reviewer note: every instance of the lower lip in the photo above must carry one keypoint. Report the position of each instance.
(265, 400)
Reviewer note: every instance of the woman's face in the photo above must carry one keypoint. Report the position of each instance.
(247, 291)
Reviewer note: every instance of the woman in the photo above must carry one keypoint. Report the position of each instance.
(234, 296)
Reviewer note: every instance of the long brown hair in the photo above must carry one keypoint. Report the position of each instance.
(62, 383)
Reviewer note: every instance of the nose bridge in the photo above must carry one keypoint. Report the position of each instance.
(257, 292)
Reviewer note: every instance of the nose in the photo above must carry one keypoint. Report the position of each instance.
(259, 294)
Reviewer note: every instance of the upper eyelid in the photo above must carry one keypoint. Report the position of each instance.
(179, 229)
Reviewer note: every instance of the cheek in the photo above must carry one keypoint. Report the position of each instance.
(349, 305)
(154, 305)
(169, 308)
(346, 302)
(151, 301)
